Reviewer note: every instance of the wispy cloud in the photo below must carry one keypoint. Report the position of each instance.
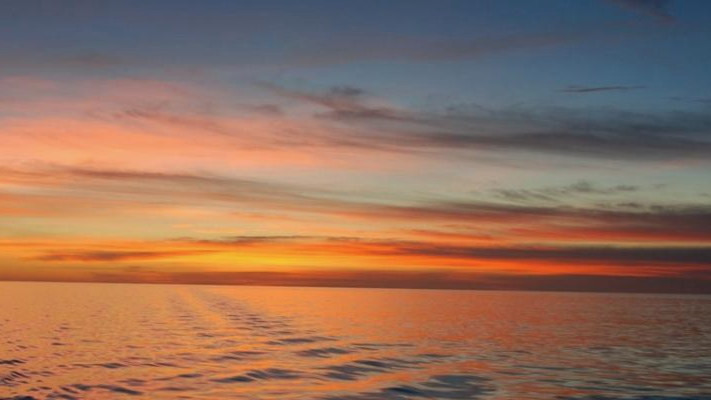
(428, 50)
(526, 210)
(558, 193)
(108, 256)
(346, 102)
(349, 139)
(614, 255)
(658, 9)
(91, 59)
(342, 126)
(595, 133)
(429, 264)
(606, 255)
(594, 89)
(429, 279)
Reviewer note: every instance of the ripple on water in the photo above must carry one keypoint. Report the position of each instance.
(355, 369)
(112, 365)
(261, 374)
(226, 350)
(239, 355)
(12, 361)
(300, 340)
(180, 376)
(437, 387)
(110, 388)
(323, 352)
(13, 378)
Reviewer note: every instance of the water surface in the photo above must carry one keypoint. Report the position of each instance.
(106, 341)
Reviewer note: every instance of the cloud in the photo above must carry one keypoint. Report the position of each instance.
(410, 48)
(594, 133)
(65, 191)
(342, 102)
(676, 256)
(654, 8)
(102, 180)
(109, 256)
(698, 100)
(51, 60)
(672, 223)
(590, 188)
(445, 262)
(556, 194)
(593, 89)
(336, 126)
(87, 60)
(380, 278)
(173, 123)
(267, 109)
(186, 120)
(246, 240)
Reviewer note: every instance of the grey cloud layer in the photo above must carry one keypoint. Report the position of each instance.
(415, 279)
(674, 221)
(556, 194)
(594, 133)
(593, 89)
(655, 8)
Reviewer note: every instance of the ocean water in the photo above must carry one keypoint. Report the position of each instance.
(113, 341)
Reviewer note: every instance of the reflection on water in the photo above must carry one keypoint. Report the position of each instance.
(96, 341)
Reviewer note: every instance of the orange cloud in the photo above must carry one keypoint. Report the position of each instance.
(105, 175)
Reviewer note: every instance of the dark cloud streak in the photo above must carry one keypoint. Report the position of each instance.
(110, 256)
(230, 193)
(593, 133)
(594, 89)
(557, 194)
(654, 8)
(675, 256)
(409, 280)
(416, 49)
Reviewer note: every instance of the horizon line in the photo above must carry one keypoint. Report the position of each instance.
(462, 289)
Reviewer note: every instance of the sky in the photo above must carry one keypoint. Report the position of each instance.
(511, 145)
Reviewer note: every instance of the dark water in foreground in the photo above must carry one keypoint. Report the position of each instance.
(103, 341)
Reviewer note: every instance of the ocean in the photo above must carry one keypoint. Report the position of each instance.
(114, 341)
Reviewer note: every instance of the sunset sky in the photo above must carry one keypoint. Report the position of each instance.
(546, 145)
